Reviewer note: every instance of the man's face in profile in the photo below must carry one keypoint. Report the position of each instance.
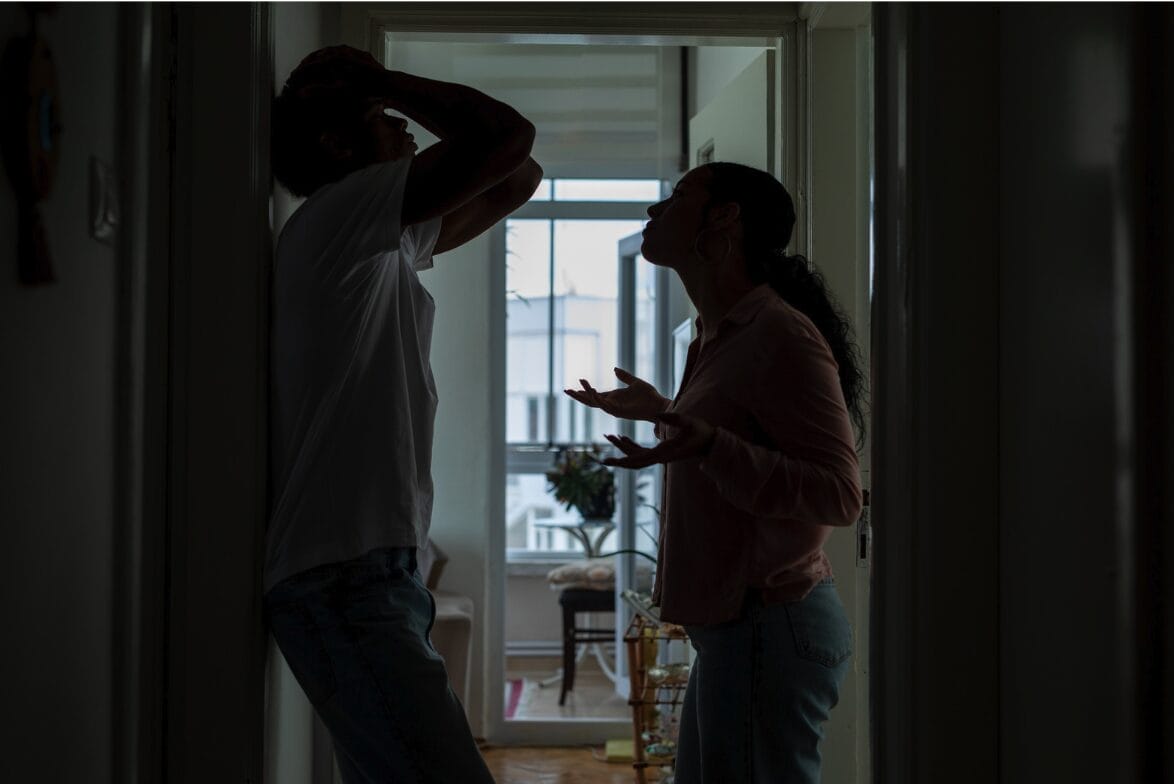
(389, 133)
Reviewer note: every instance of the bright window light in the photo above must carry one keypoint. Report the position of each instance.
(543, 192)
(607, 190)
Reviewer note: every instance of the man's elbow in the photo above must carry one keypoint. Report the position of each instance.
(527, 133)
(507, 127)
(528, 176)
(519, 142)
(517, 189)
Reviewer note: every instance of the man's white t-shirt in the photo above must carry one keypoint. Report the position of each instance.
(353, 398)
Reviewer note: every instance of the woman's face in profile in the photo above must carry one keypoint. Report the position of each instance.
(675, 222)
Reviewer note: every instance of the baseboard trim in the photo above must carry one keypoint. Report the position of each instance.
(544, 648)
(534, 648)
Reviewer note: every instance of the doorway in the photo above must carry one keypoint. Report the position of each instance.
(826, 57)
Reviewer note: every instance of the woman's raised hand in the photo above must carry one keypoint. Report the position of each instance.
(637, 400)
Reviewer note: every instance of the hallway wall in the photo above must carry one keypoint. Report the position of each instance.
(297, 751)
(58, 401)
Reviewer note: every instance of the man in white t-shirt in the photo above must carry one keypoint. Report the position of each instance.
(353, 397)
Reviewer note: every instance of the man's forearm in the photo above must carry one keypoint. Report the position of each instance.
(447, 109)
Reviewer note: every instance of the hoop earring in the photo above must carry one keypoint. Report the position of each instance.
(700, 255)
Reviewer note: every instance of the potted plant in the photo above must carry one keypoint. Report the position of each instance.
(580, 481)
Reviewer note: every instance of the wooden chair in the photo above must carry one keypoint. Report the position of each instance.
(573, 602)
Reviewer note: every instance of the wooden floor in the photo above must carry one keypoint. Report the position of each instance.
(551, 765)
(593, 697)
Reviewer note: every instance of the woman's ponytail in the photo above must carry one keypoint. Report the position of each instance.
(768, 218)
(804, 288)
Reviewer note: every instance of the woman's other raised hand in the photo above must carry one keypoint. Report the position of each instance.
(637, 400)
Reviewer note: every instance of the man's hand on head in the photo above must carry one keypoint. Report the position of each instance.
(336, 66)
(353, 55)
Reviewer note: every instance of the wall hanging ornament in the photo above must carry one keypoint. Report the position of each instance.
(30, 131)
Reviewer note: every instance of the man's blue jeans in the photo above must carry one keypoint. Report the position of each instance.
(355, 635)
(760, 690)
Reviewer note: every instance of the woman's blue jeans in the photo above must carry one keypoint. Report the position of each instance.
(760, 690)
(355, 635)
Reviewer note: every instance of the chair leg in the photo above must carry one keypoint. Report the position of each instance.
(568, 654)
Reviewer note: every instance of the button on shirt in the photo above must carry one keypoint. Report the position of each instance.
(353, 398)
(755, 512)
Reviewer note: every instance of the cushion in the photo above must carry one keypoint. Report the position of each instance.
(596, 574)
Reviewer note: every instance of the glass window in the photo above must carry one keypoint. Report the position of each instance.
(562, 325)
(543, 191)
(528, 328)
(582, 337)
(607, 190)
(533, 516)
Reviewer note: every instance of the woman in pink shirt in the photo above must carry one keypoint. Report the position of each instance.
(761, 464)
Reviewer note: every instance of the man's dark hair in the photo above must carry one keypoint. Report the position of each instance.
(328, 97)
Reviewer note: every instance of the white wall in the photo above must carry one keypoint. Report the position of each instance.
(57, 452)
(836, 200)
(461, 465)
(748, 140)
(713, 67)
(298, 29)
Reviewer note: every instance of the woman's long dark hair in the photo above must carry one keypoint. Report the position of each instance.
(768, 218)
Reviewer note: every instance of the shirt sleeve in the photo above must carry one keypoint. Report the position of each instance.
(417, 242)
(810, 471)
(358, 216)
